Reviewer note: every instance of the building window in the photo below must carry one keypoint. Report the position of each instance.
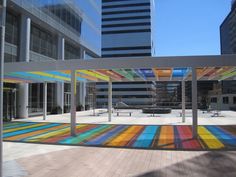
(43, 42)
(213, 100)
(12, 24)
(71, 51)
(66, 14)
(225, 100)
(9, 58)
(234, 100)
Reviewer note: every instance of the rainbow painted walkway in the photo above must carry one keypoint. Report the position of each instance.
(127, 136)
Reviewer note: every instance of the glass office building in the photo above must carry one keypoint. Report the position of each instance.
(223, 95)
(228, 32)
(43, 30)
(128, 31)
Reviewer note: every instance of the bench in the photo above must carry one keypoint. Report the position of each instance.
(101, 112)
(217, 114)
(123, 112)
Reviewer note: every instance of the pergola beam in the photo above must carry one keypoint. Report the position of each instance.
(124, 74)
(2, 47)
(204, 72)
(183, 100)
(45, 100)
(94, 74)
(109, 100)
(73, 103)
(155, 73)
(118, 63)
(138, 73)
(194, 103)
(111, 74)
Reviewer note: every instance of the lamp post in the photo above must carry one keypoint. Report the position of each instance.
(2, 43)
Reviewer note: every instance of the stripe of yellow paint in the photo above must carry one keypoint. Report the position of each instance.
(51, 75)
(82, 76)
(125, 137)
(19, 137)
(24, 127)
(51, 134)
(87, 77)
(12, 81)
(166, 138)
(209, 139)
(91, 73)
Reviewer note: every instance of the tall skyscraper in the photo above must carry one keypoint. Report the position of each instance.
(43, 30)
(223, 95)
(228, 32)
(128, 31)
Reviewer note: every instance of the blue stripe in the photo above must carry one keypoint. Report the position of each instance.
(5, 135)
(108, 135)
(222, 135)
(31, 76)
(146, 138)
(65, 75)
(73, 140)
(18, 125)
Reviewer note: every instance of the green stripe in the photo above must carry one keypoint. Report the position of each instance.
(81, 137)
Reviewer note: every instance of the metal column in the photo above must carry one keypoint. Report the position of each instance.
(194, 102)
(82, 86)
(45, 100)
(24, 52)
(109, 101)
(2, 44)
(183, 101)
(60, 85)
(73, 103)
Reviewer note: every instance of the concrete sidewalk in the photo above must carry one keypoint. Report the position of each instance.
(35, 160)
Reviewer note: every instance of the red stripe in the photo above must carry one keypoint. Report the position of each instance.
(185, 134)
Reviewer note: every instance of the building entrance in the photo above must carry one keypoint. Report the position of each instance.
(67, 98)
(9, 103)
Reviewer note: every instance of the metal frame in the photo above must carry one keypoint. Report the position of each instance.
(124, 63)
(2, 45)
(120, 64)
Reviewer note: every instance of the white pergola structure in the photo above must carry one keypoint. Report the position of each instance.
(192, 68)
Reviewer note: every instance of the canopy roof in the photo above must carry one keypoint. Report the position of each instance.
(123, 69)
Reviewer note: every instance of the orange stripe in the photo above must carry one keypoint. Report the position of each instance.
(166, 139)
(26, 135)
(124, 138)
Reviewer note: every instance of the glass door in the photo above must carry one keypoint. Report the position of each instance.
(9, 104)
(67, 97)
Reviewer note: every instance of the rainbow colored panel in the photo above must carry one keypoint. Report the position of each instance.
(178, 137)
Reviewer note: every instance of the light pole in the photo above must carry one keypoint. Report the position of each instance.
(2, 44)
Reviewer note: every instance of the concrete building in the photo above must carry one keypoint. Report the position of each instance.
(45, 30)
(228, 32)
(128, 31)
(223, 95)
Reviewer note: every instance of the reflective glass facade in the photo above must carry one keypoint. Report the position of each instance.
(43, 42)
(79, 20)
(11, 37)
(228, 32)
(44, 30)
(12, 28)
(71, 51)
(127, 30)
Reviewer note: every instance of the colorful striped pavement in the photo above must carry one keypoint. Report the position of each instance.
(178, 137)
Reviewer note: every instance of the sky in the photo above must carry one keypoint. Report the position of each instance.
(189, 27)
